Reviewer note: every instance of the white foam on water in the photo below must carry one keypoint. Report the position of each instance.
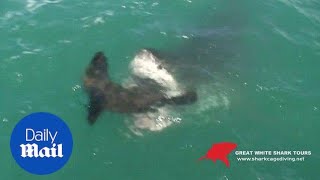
(108, 12)
(33, 5)
(155, 4)
(98, 20)
(10, 15)
(210, 98)
(5, 120)
(15, 57)
(153, 121)
(305, 8)
(65, 41)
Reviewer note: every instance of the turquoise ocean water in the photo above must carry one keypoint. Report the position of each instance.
(255, 65)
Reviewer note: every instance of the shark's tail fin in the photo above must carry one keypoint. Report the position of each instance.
(187, 98)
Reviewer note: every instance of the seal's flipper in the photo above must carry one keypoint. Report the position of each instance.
(187, 98)
(96, 106)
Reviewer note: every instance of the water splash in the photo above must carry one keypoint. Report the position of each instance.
(33, 5)
(146, 65)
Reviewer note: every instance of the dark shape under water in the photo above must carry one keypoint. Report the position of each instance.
(105, 94)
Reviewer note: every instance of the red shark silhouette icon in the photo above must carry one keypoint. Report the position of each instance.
(220, 151)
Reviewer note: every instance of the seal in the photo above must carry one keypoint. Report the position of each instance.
(104, 94)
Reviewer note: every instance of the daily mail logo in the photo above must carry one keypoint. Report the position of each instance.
(32, 150)
(41, 143)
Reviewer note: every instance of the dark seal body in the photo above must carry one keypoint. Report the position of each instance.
(105, 94)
